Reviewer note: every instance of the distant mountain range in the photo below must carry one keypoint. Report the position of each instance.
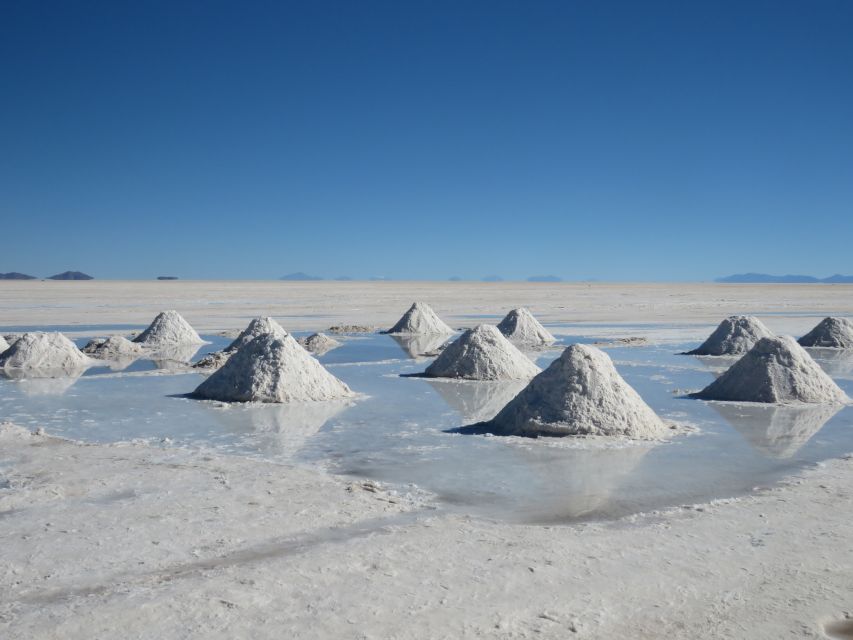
(14, 275)
(746, 278)
(544, 279)
(71, 275)
(299, 275)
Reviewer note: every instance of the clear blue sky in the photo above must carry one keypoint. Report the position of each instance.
(425, 139)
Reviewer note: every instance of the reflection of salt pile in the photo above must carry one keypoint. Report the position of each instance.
(477, 401)
(168, 328)
(836, 333)
(174, 356)
(272, 369)
(580, 393)
(47, 353)
(319, 343)
(775, 370)
(521, 327)
(3, 344)
(113, 348)
(257, 327)
(35, 385)
(838, 363)
(733, 336)
(420, 319)
(482, 353)
(777, 431)
(424, 346)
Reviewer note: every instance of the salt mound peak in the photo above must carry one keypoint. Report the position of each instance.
(168, 328)
(733, 336)
(113, 348)
(319, 343)
(836, 333)
(257, 327)
(580, 393)
(520, 326)
(482, 353)
(420, 319)
(272, 369)
(775, 370)
(48, 351)
(3, 344)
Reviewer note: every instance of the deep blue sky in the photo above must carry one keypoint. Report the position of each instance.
(413, 139)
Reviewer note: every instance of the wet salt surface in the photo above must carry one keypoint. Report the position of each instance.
(397, 433)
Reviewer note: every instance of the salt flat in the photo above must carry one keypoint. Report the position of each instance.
(148, 540)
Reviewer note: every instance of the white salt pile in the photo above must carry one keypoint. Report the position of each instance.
(482, 353)
(580, 393)
(113, 348)
(257, 327)
(168, 328)
(420, 319)
(835, 333)
(3, 344)
(775, 370)
(272, 369)
(523, 328)
(319, 343)
(734, 335)
(44, 351)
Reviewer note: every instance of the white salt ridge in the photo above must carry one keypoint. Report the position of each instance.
(734, 335)
(482, 353)
(319, 343)
(580, 393)
(113, 348)
(168, 328)
(420, 319)
(44, 351)
(272, 369)
(3, 344)
(834, 333)
(776, 370)
(521, 327)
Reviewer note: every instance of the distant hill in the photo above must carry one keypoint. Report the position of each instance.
(299, 276)
(14, 275)
(71, 275)
(756, 278)
(544, 279)
(343, 279)
(455, 279)
(167, 277)
(493, 279)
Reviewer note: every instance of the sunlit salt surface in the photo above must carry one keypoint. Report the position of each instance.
(397, 433)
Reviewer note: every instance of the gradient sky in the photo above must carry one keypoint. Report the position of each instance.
(425, 139)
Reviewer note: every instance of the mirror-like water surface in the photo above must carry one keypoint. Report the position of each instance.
(396, 433)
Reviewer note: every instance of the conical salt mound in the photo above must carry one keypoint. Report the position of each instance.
(420, 319)
(257, 327)
(521, 327)
(48, 351)
(3, 344)
(113, 348)
(482, 353)
(734, 335)
(580, 393)
(319, 343)
(775, 370)
(168, 328)
(836, 333)
(272, 369)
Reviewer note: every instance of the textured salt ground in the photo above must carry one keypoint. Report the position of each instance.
(833, 333)
(775, 370)
(136, 541)
(521, 327)
(734, 336)
(482, 353)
